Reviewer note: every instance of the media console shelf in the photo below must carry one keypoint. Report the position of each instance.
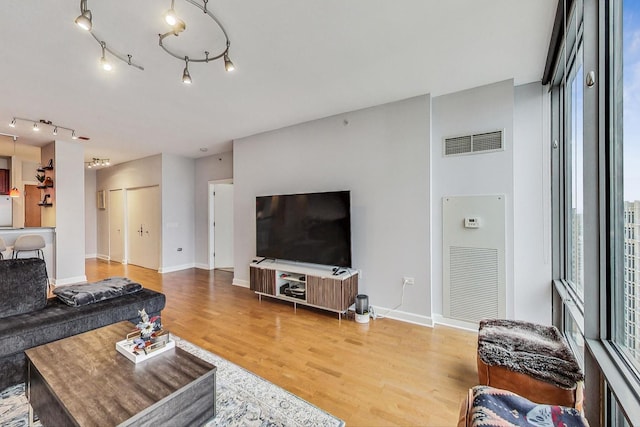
(311, 286)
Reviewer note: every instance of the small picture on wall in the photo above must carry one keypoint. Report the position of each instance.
(101, 199)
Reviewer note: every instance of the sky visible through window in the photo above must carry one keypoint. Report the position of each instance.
(631, 99)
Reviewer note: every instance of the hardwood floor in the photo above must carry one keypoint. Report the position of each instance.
(384, 373)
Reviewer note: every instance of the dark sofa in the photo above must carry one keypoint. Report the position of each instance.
(28, 319)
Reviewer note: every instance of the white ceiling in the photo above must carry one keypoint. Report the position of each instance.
(296, 61)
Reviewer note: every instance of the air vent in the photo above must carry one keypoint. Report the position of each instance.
(457, 145)
(477, 143)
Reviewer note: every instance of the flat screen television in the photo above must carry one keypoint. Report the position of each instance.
(311, 227)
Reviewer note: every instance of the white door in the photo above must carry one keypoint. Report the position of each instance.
(116, 225)
(143, 227)
(222, 226)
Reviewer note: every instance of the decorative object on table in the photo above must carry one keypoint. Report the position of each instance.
(149, 339)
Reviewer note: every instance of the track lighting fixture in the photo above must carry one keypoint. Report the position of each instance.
(177, 26)
(186, 77)
(37, 124)
(95, 162)
(85, 19)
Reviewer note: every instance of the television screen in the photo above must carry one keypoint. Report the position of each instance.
(313, 227)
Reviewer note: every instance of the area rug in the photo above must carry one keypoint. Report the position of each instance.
(242, 399)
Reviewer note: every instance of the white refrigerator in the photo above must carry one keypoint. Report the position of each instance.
(6, 211)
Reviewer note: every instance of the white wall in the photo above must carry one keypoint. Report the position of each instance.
(69, 212)
(532, 204)
(381, 155)
(486, 108)
(90, 214)
(178, 205)
(175, 176)
(138, 173)
(210, 168)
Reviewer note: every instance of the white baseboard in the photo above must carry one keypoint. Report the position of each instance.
(88, 256)
(203, 266)
(171, 269)
(438, 319)
(69, 281)
(103, 257)
(403, 316)
(239, 282)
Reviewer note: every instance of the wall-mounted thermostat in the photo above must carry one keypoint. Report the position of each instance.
(472, 222)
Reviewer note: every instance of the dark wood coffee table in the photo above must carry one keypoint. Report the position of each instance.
(83, 381)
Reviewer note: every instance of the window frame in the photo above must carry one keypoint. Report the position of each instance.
(607, 368)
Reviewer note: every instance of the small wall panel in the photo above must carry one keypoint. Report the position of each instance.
(474, 270)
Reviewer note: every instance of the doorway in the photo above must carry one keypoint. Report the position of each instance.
(143, 227)
(32, 214)
(221, 225)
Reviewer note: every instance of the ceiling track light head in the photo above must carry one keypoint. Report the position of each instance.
(186, 77)
(228, 65)
(170, 15)
(104, 62)
(85, 19)
(35, 127)
(13, 123)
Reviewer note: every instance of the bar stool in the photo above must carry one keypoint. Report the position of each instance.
(3, 247)
(28, 243)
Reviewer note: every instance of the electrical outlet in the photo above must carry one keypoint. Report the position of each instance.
(408, 280)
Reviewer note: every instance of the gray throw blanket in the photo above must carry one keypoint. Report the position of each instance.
(88, 293)
(536, 350)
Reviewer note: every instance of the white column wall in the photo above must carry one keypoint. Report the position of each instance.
(486, 108)
(69, 212)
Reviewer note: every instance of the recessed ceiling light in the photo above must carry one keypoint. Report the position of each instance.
(204, 149)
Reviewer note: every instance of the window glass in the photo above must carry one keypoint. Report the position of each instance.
(573, 131)
(626, 145)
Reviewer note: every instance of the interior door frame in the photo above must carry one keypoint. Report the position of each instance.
(210, 219)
